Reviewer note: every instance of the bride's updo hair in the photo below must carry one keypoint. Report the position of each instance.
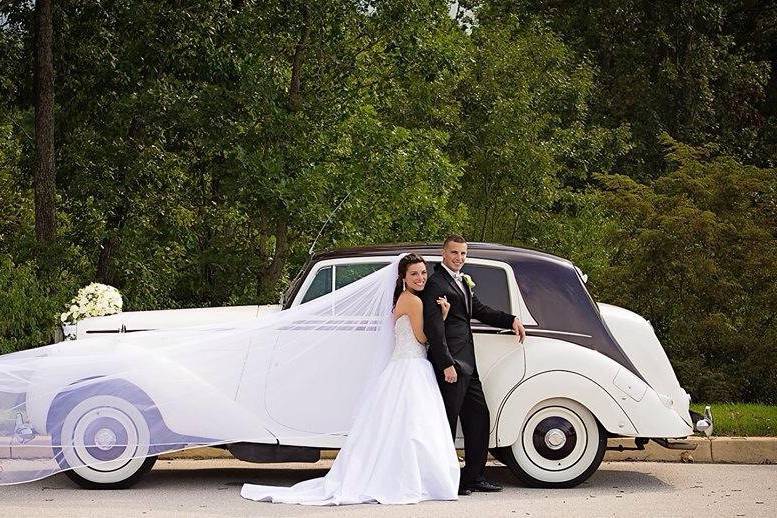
(404, 264)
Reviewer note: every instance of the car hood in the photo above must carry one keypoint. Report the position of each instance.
(132, 321)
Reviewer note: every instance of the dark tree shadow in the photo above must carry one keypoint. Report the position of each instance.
(610, 480)
(228, 477)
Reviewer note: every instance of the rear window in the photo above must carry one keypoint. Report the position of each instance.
(491, 286)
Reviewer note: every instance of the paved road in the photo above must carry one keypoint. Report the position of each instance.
(211, 488)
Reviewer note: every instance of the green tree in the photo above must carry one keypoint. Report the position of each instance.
(698, 70)
(203, 144)
(696, 254)
(526, 137)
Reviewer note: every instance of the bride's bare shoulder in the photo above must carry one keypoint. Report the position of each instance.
(408, 303)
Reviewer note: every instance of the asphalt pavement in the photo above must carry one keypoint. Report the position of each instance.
(212, 488)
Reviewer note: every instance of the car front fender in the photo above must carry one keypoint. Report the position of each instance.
(188, 404)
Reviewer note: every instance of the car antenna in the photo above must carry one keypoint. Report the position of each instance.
(313, 246)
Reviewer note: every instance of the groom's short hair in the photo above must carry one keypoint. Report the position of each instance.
(453, 238)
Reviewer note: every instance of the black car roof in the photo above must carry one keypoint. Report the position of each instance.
(554, 293)
(474, 249)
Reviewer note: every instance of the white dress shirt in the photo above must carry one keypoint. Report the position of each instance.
(457, 279)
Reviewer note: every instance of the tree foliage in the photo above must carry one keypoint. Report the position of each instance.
(702, 71)
(696, 254)
(526, 136)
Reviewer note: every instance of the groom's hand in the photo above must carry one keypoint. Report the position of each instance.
(519, 330)
(450, 374)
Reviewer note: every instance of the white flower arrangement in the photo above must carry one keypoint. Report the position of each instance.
(94, 300)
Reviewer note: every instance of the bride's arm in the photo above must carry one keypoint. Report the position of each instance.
(416, 314)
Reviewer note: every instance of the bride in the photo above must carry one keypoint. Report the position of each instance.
(399, 449)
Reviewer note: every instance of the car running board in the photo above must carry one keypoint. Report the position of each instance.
(675, 445)
(260, 453)
(639, 444)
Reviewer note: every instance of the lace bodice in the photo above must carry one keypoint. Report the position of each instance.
(405, 343)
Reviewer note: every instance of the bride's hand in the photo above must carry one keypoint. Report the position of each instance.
(444, 305)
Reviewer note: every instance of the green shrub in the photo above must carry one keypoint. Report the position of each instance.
(696, 254)
(28, 307)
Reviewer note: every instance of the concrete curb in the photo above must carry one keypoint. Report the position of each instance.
(38, 448)
(720, 450)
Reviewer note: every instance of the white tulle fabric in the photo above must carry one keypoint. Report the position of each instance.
(400, 449)
(291, 377)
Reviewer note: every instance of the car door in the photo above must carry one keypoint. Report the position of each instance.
(315, 374)
(493, 288)
(497, 351)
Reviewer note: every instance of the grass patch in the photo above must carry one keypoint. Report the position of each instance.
(742, 420)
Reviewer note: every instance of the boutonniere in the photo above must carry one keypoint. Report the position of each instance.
(468, 281)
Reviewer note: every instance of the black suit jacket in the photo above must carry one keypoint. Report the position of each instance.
(450, 341)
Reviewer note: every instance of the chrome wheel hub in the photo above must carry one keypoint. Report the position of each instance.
(105, 439)
(555, 439)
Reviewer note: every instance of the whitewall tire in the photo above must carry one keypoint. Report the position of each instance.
(561, 444)
(104, 443)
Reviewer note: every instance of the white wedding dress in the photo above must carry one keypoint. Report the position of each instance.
(399, 449)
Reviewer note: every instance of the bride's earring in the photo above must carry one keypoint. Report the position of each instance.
(404, 287)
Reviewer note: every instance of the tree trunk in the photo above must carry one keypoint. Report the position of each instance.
(295, 87)
(210, 291)
(111, 241)
(44, 174)
(110, 245)
(268, 277)
(107, 247)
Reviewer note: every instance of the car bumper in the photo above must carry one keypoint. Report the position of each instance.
(703, 423)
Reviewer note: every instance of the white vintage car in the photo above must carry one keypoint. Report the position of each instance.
(586, 372)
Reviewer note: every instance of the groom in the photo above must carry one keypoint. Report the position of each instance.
(452, 353)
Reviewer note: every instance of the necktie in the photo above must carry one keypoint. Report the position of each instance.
(458, 278)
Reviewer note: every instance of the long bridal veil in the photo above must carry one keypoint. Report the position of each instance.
(111, 400)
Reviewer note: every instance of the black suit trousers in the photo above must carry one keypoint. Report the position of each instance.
(464, 399)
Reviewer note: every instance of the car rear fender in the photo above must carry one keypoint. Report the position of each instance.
(558, 384)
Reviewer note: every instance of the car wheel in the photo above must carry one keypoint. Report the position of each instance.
(561, 444)
(103, 443)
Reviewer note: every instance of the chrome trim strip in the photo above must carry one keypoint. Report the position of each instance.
(529, 331)
(566, 333)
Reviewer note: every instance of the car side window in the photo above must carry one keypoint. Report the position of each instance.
(321, 285)
(491, 285)
(345, 274)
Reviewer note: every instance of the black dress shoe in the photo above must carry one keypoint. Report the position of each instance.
(463, 491)
(484, 486)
